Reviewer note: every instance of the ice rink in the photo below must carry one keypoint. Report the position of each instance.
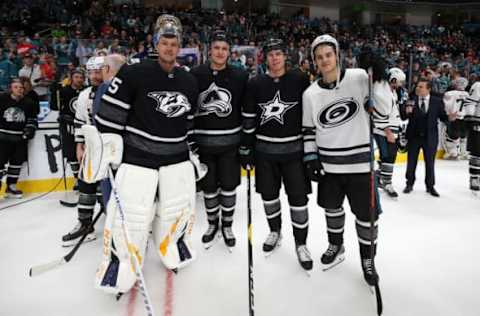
(428, 261)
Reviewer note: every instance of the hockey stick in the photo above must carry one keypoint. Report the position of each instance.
(250, 256)
(135, 261)
(42, 268)
(372, 205)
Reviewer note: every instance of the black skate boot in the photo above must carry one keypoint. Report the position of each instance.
(12, 192)
(334, 255)
(273, 241)
(369, 272)
(304, 257)
(210, 236)
(228, 237)
(82, 228)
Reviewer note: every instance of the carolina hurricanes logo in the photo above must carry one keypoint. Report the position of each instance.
(170, 103)
(338, 113)
(215, 100)
(275, 109)
(73, 104)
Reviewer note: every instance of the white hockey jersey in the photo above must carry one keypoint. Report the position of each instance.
(83, 114)
(336, 124)
(471, 106)
(387, 113)
(454, 100)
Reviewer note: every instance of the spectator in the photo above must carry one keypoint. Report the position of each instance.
(34, 73)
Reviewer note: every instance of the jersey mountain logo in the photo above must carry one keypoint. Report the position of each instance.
(215, 100)
(338, 112)
(170, 103)
(275, 109)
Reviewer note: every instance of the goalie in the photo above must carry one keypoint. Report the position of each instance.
(150, 105)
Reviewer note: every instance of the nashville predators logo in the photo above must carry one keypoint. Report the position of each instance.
(215, 100)
(14, 115)
(170, 103)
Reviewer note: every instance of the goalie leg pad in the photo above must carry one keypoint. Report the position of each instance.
(116, 273)
(101, 150)
(175, 215)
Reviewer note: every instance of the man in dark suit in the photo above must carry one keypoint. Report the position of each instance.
(422, 133)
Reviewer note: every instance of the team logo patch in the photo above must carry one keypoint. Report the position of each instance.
(275, 109)
(170, 103)
(338, 113)
(73, 104)
(215, 100)
(14, 115)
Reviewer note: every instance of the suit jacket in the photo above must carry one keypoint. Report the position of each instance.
(417, 121)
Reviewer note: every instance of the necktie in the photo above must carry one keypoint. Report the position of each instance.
(422, 105)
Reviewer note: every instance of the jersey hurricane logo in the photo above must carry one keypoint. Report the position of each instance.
(275, 109)
(170, 103)
(73, 104)
(215, 100)
(338, 112)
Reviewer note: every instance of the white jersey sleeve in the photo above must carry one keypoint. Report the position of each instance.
(308, 126)
(82, 114)
(471, 106)
(386, 113)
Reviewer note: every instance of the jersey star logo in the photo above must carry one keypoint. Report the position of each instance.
(275, 109)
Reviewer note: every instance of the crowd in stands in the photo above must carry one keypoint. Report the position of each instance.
(45, 39)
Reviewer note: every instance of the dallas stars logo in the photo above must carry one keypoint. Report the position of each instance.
(275, 109)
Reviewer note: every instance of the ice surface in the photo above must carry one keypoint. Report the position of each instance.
(428, 261)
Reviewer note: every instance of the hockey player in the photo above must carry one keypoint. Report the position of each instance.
(218, 127)
(337, 139)
(387, 123)
(456, 133)
(471, 112)
(87, 191)
(18, 122)
(151, 104)
(273, 131)
(68, 97)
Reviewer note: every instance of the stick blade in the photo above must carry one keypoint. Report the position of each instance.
(39, 269)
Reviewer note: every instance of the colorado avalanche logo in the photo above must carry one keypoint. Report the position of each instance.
(170, 103)
(338, 112)
(73, 104)
(14, 115)
(215, 100)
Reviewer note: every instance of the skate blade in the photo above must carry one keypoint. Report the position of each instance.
(73, 242)
(269, 253)
(210, 244)
(13, 196)
(335, 263)
(308, 272)
(230, 249)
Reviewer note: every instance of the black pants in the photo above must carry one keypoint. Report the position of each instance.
(13, 153)
(429, 151)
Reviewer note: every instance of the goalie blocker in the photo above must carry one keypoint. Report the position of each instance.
(168, 212)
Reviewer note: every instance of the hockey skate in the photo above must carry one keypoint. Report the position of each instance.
(333, 256)
(228, 237)
(475, 186)
(273, 242)
(304, 258)
(211, 236)
(370, 274)
(12, 192)
(76, 233)
(390, 191)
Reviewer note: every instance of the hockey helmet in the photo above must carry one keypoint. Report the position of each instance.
(460, 83)
(169, 26)
(324, 39)
(95, 63)
(397, 74)
(219, 36)
(274, 44)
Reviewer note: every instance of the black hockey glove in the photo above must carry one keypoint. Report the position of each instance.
(28, 132)
(246, 156)
(313, 168)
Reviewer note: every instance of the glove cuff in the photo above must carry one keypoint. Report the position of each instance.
(310, 157)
